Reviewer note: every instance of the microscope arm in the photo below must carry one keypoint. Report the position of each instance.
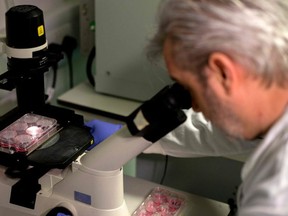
(115, 151)
(147, 124)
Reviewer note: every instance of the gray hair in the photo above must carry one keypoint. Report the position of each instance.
(253, 33)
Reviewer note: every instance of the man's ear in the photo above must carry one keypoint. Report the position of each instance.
(222, 69)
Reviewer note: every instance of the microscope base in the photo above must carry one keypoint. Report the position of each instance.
(58, 190)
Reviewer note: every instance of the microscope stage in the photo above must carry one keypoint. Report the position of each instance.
(27, 133)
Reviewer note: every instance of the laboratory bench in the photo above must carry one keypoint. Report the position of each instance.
(84, 99)
(136, 190)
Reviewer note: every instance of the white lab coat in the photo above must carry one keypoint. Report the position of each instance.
(264, 188)
(198, 138)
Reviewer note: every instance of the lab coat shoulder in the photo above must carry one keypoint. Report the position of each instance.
(264, 190)
(196, 137)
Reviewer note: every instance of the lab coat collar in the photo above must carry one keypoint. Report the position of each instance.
(270, 136)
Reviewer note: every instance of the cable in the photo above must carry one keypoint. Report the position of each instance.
(51, 90)
(89, 66)
(53, 48)
(69, 44)
(165, 170)
(55, 69)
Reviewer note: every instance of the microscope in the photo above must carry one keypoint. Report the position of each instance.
(60, 175)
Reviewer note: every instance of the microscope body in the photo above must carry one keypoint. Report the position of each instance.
(90, 182)
(93, 183)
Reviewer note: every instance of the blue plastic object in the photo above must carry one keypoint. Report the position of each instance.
(61, 214)
(101, 130)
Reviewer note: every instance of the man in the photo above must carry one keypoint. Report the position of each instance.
(232, 56)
